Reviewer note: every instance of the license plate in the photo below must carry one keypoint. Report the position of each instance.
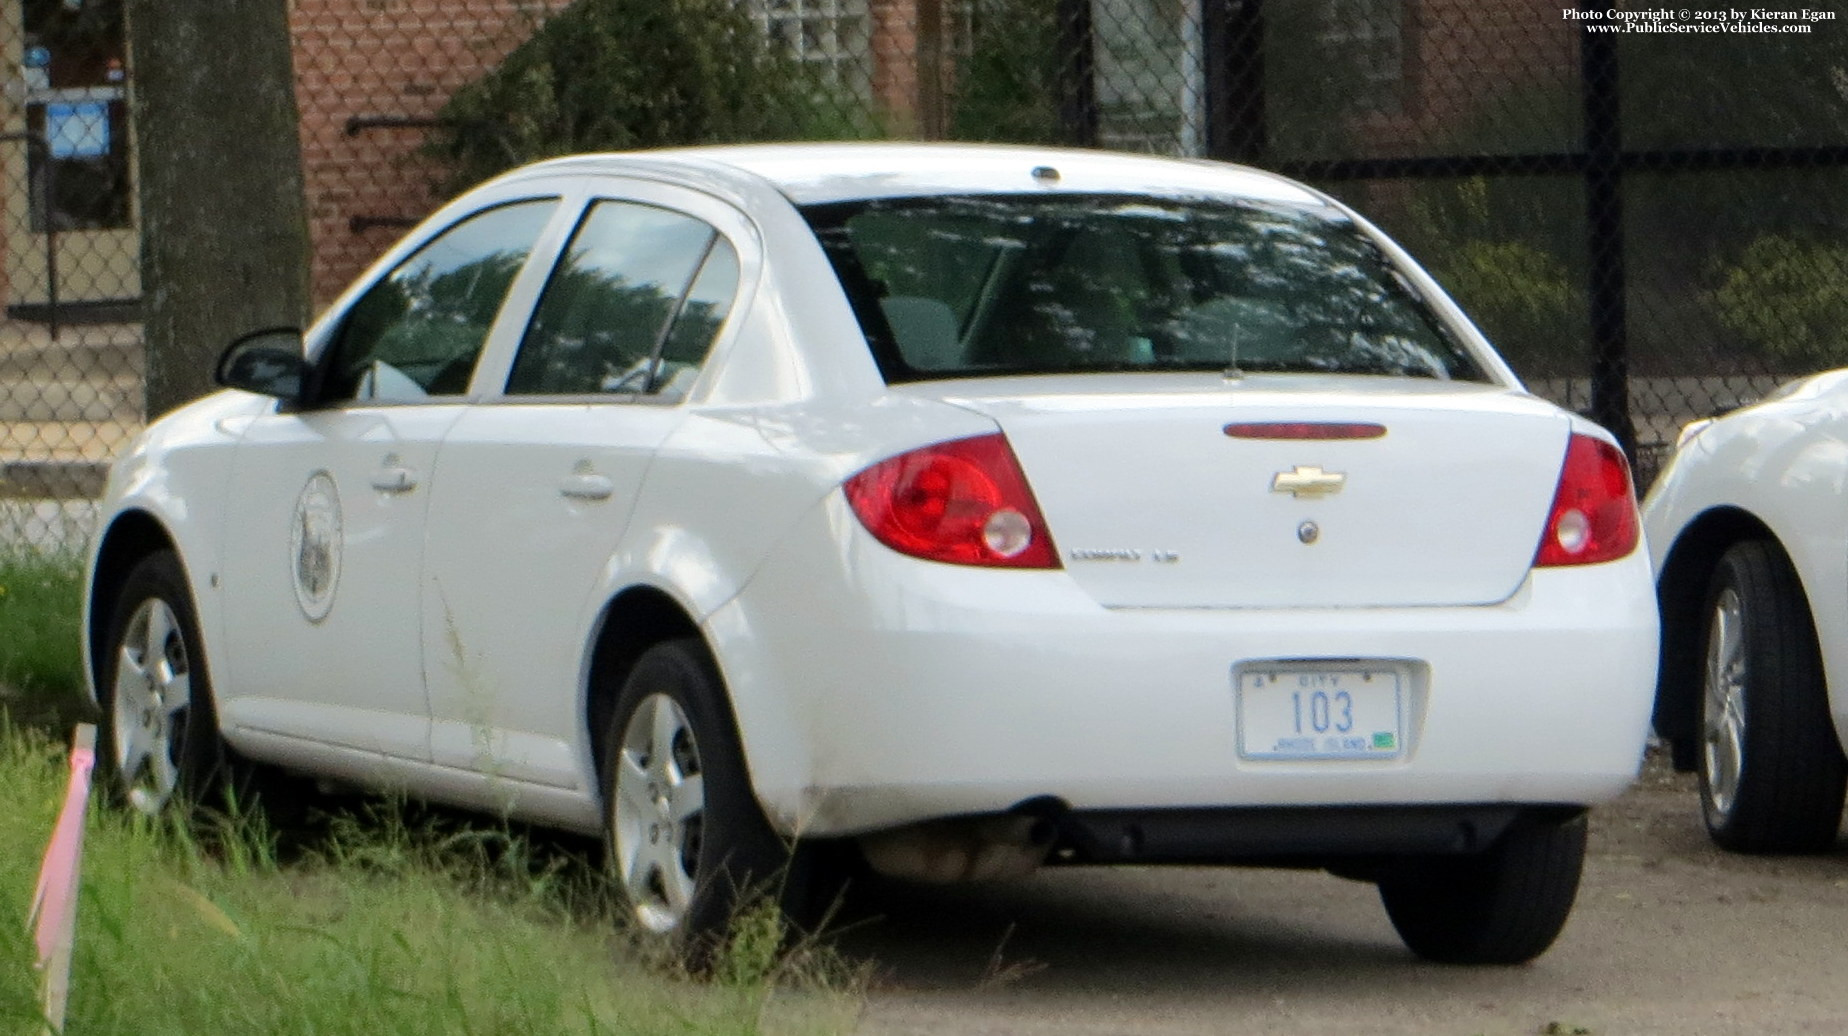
(1290, 712)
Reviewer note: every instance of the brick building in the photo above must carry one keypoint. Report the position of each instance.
(370, 73)
(362, 66)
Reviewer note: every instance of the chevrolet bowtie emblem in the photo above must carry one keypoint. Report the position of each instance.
(1310, 482)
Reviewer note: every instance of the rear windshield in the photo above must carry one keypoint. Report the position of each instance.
(953, 286)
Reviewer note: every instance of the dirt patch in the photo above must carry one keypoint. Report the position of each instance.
(1670, 935)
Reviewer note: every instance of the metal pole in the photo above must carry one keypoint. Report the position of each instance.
(1078, 114)
(1234, 31)
(1604, 233)
(933, 111)
(38, 155)
(1192, 99)
(51, 236)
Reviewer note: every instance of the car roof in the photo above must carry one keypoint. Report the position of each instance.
(821, 173)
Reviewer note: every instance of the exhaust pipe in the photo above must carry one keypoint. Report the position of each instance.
(961, 849)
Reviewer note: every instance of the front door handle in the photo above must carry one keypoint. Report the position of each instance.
(394, 479)
(587, 486)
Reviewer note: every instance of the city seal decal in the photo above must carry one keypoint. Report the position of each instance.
(314, 546)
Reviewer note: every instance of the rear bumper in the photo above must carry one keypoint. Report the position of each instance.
(947, 691)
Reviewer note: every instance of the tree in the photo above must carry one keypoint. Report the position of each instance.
(224, 233)
(1007, 89)
(609, 75)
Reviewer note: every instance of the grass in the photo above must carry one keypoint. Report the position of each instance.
(41, 670)
(377, 919)
(381, 923)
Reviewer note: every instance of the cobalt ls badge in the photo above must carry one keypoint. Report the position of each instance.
(314, 546)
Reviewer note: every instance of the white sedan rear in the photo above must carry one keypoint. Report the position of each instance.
(950, 510)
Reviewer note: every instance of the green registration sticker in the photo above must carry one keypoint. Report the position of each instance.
(1385, 741)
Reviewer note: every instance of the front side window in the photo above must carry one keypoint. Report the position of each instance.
(418, 332)
(1007, 284)
(632, 308)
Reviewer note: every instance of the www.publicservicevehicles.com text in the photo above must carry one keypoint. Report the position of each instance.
(1747, 21)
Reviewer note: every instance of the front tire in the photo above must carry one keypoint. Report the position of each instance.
(160, 736)
(1772, 773)
(1504, 905)
(688, 845)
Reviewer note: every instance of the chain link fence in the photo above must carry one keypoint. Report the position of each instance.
(70, 344)
(1647, 211)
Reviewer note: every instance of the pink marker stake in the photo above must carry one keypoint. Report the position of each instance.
(54, 903)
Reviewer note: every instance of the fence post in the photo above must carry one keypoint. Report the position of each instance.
(1234, 46)
(1077, 73)
(933, 89)
(1604, 232)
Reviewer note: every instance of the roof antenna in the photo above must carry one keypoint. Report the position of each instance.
(1232, 373)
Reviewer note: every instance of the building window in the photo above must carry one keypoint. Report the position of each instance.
(829, 35)
(1366, 39)
(74, 77)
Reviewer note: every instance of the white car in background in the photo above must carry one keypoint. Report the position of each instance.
(1747, 529)
(955, 510)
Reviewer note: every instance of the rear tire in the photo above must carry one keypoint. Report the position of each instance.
(1504, 905)
(689, 847)
(1772, 773)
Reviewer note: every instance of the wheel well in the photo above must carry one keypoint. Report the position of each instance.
(1681, 597)
(636, 620)
(132, 536)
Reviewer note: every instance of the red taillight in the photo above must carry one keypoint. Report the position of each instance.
(1594, 509)
(964, 502)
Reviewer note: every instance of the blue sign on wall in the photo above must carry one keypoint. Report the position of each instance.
(77, 129)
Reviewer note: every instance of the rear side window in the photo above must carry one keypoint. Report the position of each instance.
(632, 307)
(956, 286)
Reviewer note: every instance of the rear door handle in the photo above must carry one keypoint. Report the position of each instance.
(587, 486)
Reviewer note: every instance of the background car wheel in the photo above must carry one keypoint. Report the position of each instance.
(688, 844)
(160, 732)
(1505, 905)
(1771, 769)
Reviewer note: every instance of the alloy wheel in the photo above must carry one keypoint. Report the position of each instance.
(659, 809)
(152, 693)
(1723, 703)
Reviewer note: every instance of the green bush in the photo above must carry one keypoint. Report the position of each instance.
(1786, 298)
(605, 75)
(1007, 89)
(1487, 243)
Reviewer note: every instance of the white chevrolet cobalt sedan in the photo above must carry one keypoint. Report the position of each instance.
(1746, 526)
(950, 511)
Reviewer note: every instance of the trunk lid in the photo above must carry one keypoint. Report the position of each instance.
(1153, 504)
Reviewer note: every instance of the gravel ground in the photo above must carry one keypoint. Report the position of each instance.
(1670, 935)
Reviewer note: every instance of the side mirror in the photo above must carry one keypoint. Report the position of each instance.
(267, 362)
